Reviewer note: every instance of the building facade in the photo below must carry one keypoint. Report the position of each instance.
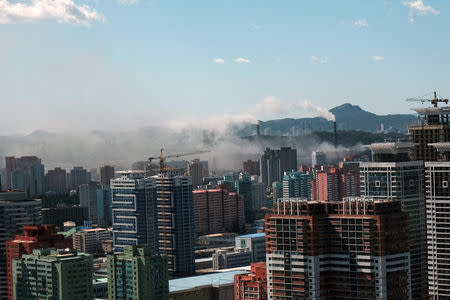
(148, 279)
(252, 286)
(274, 163)
(90, 240)
(254, 242)
(175, 210)
(297, 185)
(106, 174)
(33, 237)
(228, 259)
(78, 176)
(57, 181)
(392, 176)
(20, 163)
(251, 167)
(53, 274)
(134, 212)
(218, 211)
(16, 211)
(352, 249)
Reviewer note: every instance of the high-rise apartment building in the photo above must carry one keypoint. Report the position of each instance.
(88, 197)
(318, 159)
(90, 240)
(218, 211)
(60, 214)
(433, 127)
(33, 237)
(277, 190)
(392, 176)
(57, 181)
(176, 222)
(244, 188)
(350, 184)
(352, 249)
(106, 174)
(259, 195)
(195, 170)
(297, 185)
(251, 167)
(137, 274)
(328, 185)
(20, 163)
(134, 212)
(53, 274)
(437, 193)
(274, 163)
(252, 286)
(78, 176)
(104, 211)
(16, 211)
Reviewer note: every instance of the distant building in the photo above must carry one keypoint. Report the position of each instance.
(60, 214)
(195, 170)
(88, 197)
(259, 195)
(59, 274)
(218, 211)
(148, 279)
(34, 237)
(106, 174)
(244, 189)
(274, 163)
(176, 222)
(255, 242)
(93, 175)
(20, 163)
(297, 185)
(350, 184)
(134, 212)
(277, 189)
(328, 184)
(251, 167)
(78, 176)
(223, 259)
(318, 159)
(104, 202)
(433, 127)
(352, 249)
(252, 286)
(16, 211)
(90, 240)
(57, 181)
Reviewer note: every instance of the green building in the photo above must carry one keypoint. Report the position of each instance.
(137, 274)
(53, 274)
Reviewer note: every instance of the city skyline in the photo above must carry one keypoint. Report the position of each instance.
(150, 63)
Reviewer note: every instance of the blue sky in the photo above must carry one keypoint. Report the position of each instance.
(102, 64)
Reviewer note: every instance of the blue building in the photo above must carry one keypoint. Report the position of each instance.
(297, 185)
(134, 212)
(104, 211)
(30, 179)
(176, 222)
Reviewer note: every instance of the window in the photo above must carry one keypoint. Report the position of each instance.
(444, 184)
(377, 183)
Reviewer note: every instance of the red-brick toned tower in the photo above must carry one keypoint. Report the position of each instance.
(352, 249)
(218, 211)
(251, 167)
(34, 237)
(251, 286)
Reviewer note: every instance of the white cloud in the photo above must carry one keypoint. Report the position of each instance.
(320, 60)
(219, 60)
(377, 58)
(361, 23)
(241, 60)
(418, 7)
(63, 11)
(127, 2)
(255, 26)
(271, 107)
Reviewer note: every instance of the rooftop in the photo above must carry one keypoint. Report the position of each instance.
(187, 283)
(426, 111)
(253, 235)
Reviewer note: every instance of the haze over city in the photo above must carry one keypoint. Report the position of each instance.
(217, 150)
